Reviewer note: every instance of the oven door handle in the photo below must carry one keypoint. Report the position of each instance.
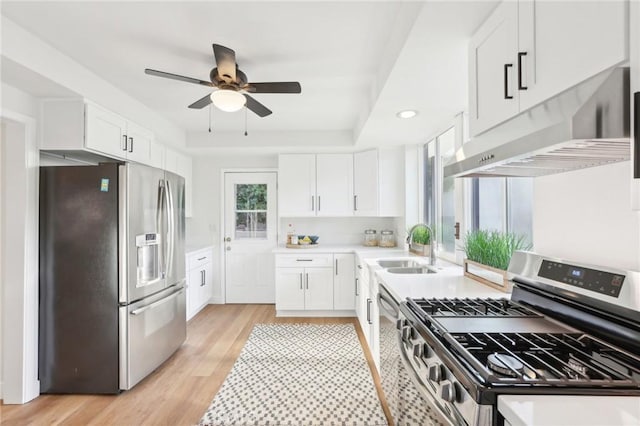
(388, 306)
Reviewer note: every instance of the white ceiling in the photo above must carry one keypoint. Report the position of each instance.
(358, 62)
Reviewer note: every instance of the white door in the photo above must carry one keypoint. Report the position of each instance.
(250, 226)
(290, 289)
(106, 132)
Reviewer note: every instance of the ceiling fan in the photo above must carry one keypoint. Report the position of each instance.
(232, 86)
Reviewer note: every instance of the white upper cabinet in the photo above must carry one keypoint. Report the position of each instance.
(77, 125)
(369, 183)
(315, 185)
(106, 132)
(530, 50)
(365, 183)
(378, 183)
(563, 43)
(139, 143)
(334, 184)
(493, 51)
(297, 185)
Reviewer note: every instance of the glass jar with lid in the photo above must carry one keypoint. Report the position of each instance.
(370, 238)
(387, 238)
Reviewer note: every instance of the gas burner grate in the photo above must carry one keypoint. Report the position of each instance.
(572, 359)
(471, 307)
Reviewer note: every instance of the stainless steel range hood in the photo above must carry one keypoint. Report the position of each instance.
(585, 126)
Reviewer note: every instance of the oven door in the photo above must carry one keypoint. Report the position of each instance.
(406, 404)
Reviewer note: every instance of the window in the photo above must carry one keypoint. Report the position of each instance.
(503, 204)
(251, 211)
(440, 192)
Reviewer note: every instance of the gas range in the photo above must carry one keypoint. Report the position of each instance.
(552, 337)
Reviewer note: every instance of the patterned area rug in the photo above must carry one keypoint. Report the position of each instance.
(298, 374)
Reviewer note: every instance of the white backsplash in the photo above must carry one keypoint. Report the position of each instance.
(338, 230)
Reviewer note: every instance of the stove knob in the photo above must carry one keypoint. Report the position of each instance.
(407, 333)
(434, 372)
(418, 350)
(448, 391)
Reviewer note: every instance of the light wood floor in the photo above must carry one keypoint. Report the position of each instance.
(179, 392)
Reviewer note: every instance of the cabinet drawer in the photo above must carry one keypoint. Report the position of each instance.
(303, 260)
(199, 258)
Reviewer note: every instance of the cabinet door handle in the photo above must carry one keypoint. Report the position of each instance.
(336, 267)
(124, 142)
(313, 203)
(369, 311)
(300, 280)
(202, 258)
(307, 281)
(318, 203)
(304, 260)
(506, 81)
(130, 144)
(355, 203)
(202, 278)
(357, 290)
(520, 85)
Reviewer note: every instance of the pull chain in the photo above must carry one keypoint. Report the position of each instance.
(245, 121)
(210, 112)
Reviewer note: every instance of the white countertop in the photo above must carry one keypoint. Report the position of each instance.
(196, 247)
(449, 281)
(338, 248)
(554, 410)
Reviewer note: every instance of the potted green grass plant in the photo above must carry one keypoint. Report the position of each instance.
(488, 255)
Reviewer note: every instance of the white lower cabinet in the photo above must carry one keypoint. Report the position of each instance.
(344, 283)
(303, 289)
(199, 280)
(319, 282)
(367, 308)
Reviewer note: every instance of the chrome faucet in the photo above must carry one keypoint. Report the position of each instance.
(432, 242)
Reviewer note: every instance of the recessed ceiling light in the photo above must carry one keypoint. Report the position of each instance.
(408, 113)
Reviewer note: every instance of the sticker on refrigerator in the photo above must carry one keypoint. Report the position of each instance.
(104, 185)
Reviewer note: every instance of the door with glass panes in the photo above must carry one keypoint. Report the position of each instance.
(250, 235)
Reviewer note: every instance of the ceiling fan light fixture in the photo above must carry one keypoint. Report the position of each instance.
(408, 113)
(228, 100)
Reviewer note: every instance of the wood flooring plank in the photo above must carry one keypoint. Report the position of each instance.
(181, 390)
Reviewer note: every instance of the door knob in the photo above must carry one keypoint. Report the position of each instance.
(228, 248)
(228, 239)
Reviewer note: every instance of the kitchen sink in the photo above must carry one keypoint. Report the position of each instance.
(412, 270)
(398, 263)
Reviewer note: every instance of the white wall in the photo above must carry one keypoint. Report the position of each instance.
(18, 257)
(337, 230)
(586, 216)
(204, 227)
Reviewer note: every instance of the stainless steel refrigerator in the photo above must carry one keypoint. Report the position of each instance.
(112, 275)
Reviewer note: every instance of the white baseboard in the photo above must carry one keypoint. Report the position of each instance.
(315, 314)
(216, 301)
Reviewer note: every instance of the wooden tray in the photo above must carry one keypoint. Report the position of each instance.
(301, 246)
(499, 281)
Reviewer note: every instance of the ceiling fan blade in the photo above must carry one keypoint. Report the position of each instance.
(281, 87)
(201, 103)
(178, 77)
(226, 62)
(257, 107)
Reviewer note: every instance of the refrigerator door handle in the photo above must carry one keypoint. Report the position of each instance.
(156, 303)
(160, 226)
(171, 227)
